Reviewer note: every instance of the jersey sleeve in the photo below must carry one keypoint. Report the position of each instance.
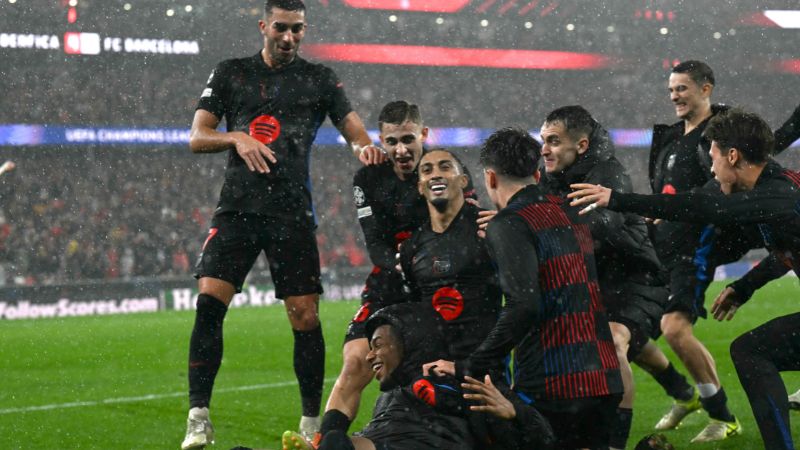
(373, 221)
(756, 206)
(338, 104)
(514, 252)
(214, 97)
(768, 269)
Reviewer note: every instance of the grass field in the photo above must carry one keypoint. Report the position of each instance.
(120, 381)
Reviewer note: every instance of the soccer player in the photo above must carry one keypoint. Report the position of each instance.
(553, 311)
(389, 208)
(576, 148)
(445, 263)
(755, 191)
(273, 103)
(414, 412)
(679, 163)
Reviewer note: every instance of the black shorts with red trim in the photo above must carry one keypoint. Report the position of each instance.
(235, 240)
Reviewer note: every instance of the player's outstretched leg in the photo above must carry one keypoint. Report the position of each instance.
(624, 415)
(309, 357)
(794, 401)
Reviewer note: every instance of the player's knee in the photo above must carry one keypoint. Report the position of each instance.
(675, 329)
(622, 337)
(741, 349)
(303, 317)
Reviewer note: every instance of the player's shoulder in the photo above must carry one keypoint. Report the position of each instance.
(313, 67)
(373, 174)
(242, 62)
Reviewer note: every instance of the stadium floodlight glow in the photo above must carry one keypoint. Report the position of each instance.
(418, 55)
(439, 21)
(664, 30)
(528, 25)
(12, 1)
(717, 35)
(126, 7)
(188, 8)
(570, 26)
(438, 6)
(73, 2)
(392, 18)
(484, 23)
(610, 28)
(784, 18)
(170, 12)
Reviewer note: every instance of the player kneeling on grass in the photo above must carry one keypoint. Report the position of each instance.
(414, 412)
(757, 191)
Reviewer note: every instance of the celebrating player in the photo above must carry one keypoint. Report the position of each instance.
(273, 104)
(756, 191)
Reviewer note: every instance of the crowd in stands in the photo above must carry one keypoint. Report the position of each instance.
(85, 214)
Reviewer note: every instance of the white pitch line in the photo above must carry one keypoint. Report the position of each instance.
(142, 398)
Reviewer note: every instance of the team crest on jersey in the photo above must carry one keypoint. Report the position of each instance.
(358, 196)
(441, 266)
(448, 302)
(265, 129)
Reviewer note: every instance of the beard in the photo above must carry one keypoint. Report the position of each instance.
(440, 204)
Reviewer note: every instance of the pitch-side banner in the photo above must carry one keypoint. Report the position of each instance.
(46, 302)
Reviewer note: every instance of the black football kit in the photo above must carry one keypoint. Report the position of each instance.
(282, 108)
(389, 209)
(773, 206)
(453, 274)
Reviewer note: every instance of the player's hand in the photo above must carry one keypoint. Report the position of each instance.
(726, 304)
(439, 368)
(653, 221)
(371, 155)
(493, 401)
(594, 195)
(253, 152)
(484, 217)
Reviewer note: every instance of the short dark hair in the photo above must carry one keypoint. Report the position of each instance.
(288, 5)
(449, 152)
(399, 111)
(745, 131)
(698, 71)
(576, 120)
(512, 152)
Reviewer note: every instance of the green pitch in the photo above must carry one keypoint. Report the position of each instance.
(119, 382)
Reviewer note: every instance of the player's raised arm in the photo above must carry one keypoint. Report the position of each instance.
(354, 132)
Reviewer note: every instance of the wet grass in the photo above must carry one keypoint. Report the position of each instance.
(119, 381)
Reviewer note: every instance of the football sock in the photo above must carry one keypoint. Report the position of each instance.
(336, 440)
(621, 428)
(674, 383)
(334, 420)
(717, 406)
(309, 367)
(205, 349)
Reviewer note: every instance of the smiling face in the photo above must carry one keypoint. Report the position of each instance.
(282, 30)
(385, 354)
(688, 97)
(403, 143)
(441, 179)
(559, 150)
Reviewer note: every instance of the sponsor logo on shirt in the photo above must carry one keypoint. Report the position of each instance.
(448, 302)
(265, 129)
